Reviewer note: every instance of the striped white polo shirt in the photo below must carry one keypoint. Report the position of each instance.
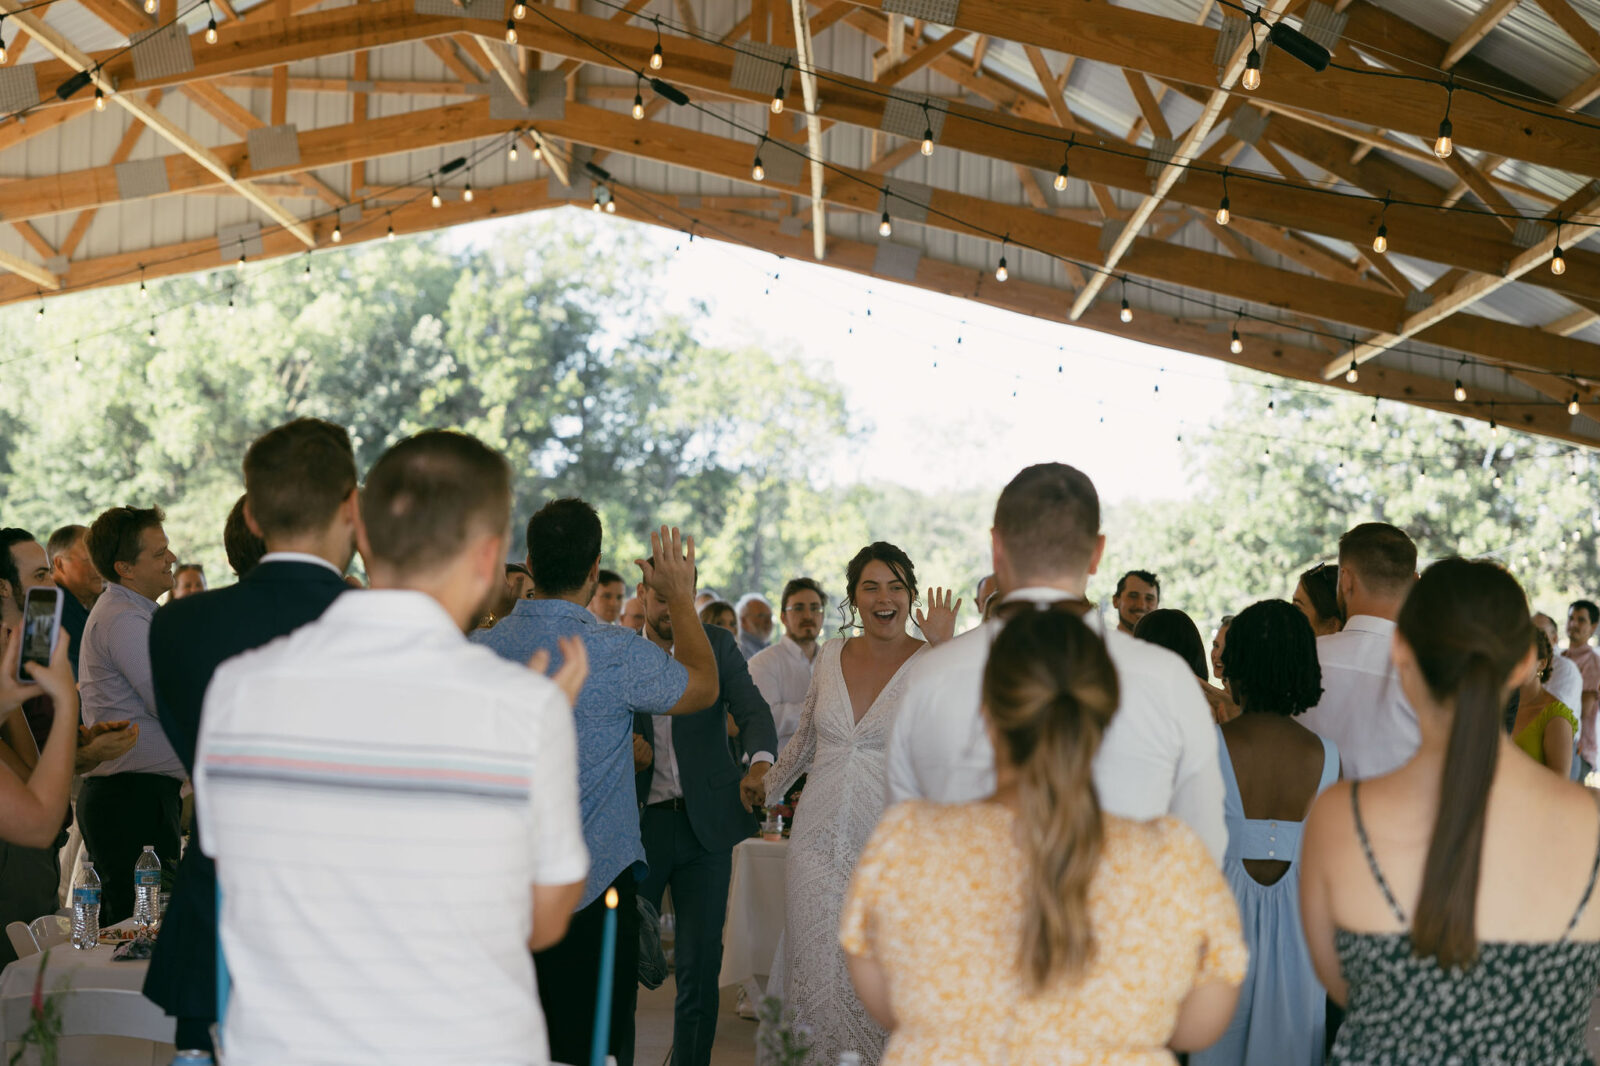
(380, 795)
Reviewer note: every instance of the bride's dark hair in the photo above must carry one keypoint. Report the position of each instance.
(882, 551)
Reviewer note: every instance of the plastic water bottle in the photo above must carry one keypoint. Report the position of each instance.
(147, 890)
(86, 909)
(192, 1058)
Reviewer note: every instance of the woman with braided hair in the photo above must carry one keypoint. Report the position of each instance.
(1272, 768)
(1031, 927)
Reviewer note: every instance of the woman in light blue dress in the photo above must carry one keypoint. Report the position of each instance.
(1273, 768)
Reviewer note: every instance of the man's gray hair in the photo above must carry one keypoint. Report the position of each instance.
(747, 599)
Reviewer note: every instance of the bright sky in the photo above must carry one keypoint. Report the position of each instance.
(957, 394)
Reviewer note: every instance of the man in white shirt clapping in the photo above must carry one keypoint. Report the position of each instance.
(1159, 755)
(1363, 709)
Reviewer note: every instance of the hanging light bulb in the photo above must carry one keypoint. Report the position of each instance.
(511, 153)
(777, 96)
(1000, 272)
(434, 199)
(519, 10)
(1223, 214)
(511, 31)
(390, 234)
(305, 275)
(1380, 243)
(1461, 392)
(338, 234)
(638, 106)
(538, 151)
(1558, 262)
(611, 207)
(1061, 178)
(595, 207)
(240, 264)
(757, 171)
(927, 141)
(99, 99)
(143, 292)
(1127, 312)
(885, 227)
(1252, 71)
(2, 48)
(211, 30)
(149, 7)
(656, 59)
(230, 305)
(1352, 375)
(1572, 406)
(1445, 144)
(466, 193)
(1497, 482)
(1236, 346)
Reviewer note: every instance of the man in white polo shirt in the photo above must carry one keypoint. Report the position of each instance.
(1159, 755)
(1363, 709)
(393, 811)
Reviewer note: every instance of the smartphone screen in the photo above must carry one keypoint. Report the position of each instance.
(41, 628)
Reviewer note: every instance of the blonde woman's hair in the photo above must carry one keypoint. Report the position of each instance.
(1050, 690)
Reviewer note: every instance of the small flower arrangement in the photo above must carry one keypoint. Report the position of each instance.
(44, 1022)
(780, 1041)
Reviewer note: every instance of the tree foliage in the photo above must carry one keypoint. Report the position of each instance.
(1277, 488)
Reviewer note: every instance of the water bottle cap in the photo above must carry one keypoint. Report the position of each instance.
(149, 847)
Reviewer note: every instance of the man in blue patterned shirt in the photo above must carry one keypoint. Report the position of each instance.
(627, 675)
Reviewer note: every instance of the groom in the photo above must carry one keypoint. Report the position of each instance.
(695, 808)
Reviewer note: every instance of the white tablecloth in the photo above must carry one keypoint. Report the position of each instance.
(103, 1000)
(755, 913)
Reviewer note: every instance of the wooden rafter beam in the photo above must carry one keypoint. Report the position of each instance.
(1471, 290)
(807, 55)
(1482, 23)
(1149, 106)
(923, 56)
(1193, 141)
(346, 86)
(1052, 95)
(135, 104)
(1176, 49)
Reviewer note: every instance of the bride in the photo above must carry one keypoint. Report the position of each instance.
(840, 744)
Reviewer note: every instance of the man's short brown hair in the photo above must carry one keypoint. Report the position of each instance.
(1048, 518)
(429, 494)
(1381, 555)
(297, 475)
(114, 537)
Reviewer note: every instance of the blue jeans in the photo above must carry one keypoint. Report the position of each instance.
(699, 880)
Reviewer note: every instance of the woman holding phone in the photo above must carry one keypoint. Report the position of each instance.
(31, 810)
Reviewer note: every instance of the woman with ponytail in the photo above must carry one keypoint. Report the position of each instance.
(1031, 927)
(1446, 904)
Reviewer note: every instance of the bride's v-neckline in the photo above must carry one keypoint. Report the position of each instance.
(849, 702)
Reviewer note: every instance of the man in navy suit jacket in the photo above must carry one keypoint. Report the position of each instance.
(300, 497)
(697, 798)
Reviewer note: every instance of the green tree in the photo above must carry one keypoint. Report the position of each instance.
(1278, 487)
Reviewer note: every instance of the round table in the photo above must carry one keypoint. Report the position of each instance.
(755, 914)
(103, 1006)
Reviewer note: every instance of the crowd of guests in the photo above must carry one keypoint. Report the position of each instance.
(1348, 830)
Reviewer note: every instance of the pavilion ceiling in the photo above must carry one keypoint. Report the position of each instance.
(307, 124)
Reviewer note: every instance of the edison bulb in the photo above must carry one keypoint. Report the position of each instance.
(1061, 179)
(1236, 346)
(466, 194)
(638, 106)
(758, 172)
(656, 59)
(1127, 312)
(886, 227)
(1558, 263)
(1223, 214)
(211, 32)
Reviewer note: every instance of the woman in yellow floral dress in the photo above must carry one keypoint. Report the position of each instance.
(1029, 928)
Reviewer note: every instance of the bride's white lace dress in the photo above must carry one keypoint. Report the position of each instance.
(844, 796)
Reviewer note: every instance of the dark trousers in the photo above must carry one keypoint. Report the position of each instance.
(569, 975)
(120, 814)
(29, 879)
(699, 880)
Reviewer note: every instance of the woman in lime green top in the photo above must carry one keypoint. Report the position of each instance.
(1545, 727)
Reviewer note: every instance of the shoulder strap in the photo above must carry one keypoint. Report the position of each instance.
(1372, 862)
(1588, 890)
(1330, 765)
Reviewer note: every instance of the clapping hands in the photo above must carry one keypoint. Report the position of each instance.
(670, 569)
(574, 666)
(939, 623)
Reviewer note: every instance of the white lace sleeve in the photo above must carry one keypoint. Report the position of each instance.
(797, 754)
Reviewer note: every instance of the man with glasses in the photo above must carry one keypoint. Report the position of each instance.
(783, 671)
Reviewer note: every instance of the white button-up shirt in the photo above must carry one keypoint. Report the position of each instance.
(1159, 755)
(783, 674)
(380, 795)
(665, 781)
(1363, 709)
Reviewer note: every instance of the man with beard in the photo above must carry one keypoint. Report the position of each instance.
(783, 671)
(1138, 593)
(695, 809)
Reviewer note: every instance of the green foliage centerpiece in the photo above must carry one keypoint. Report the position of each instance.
(781, 1041)
(44, 1022)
